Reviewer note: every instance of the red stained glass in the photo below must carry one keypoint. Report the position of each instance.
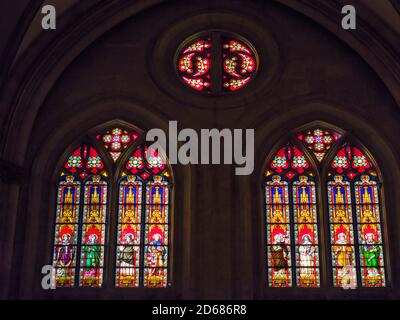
(355, 227)
(280, 161)
(66, 232)
(143, 221)
(239, 64)
(340, 162)
(299, 162)
(145, 164)
(318, 141)
(116, 140)
(93, 232)
(355, 224)
(350, 157)
(80, 216)
(359, 161)
(85, 160)
(135, 162)
(194, 64)
(289, 155)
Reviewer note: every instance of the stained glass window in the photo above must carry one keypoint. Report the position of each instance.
(355, 217)
(194, 64)
(292, 222)
(216, 63)
(66, 231)
(82, 237)
(79, 225)
(354, 212)
(143, 221)
(116, 140)
(318, 141)
(93, 232)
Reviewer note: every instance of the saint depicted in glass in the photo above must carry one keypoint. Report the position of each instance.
(354, 212)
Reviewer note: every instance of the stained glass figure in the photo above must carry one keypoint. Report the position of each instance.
(156, 233)
(292, 226)
(290, 160)
(143, 221)
(354, 211)
(84, 161)
(351, 160)
(66, 231)
(278, 233)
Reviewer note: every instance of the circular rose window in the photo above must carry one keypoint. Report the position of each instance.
(217, 63)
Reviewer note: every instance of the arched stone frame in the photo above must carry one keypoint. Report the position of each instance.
(40, 193)
(250, 209)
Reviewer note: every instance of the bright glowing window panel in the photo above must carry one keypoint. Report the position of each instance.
(290, 161)
(350, 160)
(66, 231)
(239, 64)
(156, 233)
(292, 223)
(93, 232)
(194, 64)
(306, 233)
(143, 221)
(364, 218)
(116, 140)
(318, 140)
(129, 232)
(341, 233)
(81, 165)
(369, 231)
(278, 233)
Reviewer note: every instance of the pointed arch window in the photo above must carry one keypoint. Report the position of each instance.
(92, 202)
(316, 162)
(216, 62)
(292, 226)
